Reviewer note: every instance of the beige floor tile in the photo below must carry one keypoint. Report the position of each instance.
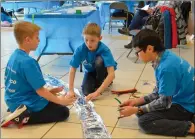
(78, 79)
(129, 133)
(127, 64)
(108, 114)
(127, 75)
(4, 61)
(54, 70)
(108, 99)
(2, 77)
(188, 54)
(123, 83)
(145, 86)
(3, 104)
(187, 137)
(28, 131)
(130, 122)
(148, 73)
(175, 50)
(45, 59)
(65, 130)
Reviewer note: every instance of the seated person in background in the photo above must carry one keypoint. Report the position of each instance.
(97, 60)
(25, 95)
(169, 109)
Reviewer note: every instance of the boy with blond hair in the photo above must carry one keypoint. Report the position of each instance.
(25, 95)
(97, 60)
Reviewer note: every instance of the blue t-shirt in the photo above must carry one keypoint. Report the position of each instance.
(87, 58)
(175, 77)
(23, 77)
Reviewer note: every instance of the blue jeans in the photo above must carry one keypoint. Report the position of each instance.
(174, 121)
(93, 80)
(138, 20)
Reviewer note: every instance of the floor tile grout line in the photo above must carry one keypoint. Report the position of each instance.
(50, 62)
(49, 130)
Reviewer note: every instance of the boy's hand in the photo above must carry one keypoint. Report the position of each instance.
(127, 111)
(56, 90)
(65, 100)
(71, 94)
(92, 96)
(130, 102)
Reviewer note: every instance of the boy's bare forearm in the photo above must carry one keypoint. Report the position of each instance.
(71, 78)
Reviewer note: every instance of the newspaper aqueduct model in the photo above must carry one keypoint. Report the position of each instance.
(93, 126)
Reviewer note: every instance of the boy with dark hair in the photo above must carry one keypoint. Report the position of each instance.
(169, 109)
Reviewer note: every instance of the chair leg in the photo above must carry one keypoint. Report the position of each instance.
(136, 60)
(129, 52)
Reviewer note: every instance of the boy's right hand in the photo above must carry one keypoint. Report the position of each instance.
(66, 100)
(130, 102)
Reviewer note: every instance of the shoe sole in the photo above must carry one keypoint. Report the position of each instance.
(7, 121)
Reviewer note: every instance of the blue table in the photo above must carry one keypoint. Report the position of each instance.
(61, 33)
(104, 9)
(14, 5)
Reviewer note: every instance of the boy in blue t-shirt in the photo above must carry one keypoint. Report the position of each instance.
(25, 95)
(97, 60)
(169, 109)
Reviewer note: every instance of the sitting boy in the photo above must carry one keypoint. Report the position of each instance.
(169, 109)
(25, 95)
(97, 60)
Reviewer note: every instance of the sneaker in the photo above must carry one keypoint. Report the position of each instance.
(20, 116)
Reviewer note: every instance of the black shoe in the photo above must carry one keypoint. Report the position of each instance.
(20, 116)
(124, 31)
(128, 46)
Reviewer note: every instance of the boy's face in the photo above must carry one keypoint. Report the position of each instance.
(92, 41)
(145, 56)
(33, 42)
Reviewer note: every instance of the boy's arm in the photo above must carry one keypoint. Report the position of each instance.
(71, 80)
(110, 77)
(163, 102)
(63, 100)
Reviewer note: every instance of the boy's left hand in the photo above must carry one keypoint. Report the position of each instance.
(127, 111)
(92, 96)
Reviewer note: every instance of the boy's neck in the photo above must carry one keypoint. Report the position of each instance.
(23, 49)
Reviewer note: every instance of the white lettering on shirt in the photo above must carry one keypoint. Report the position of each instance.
(12, 81)
(189, 69)
(11, 90)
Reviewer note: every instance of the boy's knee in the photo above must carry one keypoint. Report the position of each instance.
(143, 124)
(99, 62)
(65, 113)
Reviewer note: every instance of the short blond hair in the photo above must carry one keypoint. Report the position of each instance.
(24, 29)
(92, 29)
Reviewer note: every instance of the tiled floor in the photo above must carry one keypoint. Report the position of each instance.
(128, 75)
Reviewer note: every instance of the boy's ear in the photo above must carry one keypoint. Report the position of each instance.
(27, 39)
(100, 38)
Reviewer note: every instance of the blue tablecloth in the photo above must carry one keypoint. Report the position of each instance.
(62, 33)
(104, 9)
(29, 4)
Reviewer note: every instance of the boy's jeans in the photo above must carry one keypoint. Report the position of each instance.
(93, 80)
(171, 122)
